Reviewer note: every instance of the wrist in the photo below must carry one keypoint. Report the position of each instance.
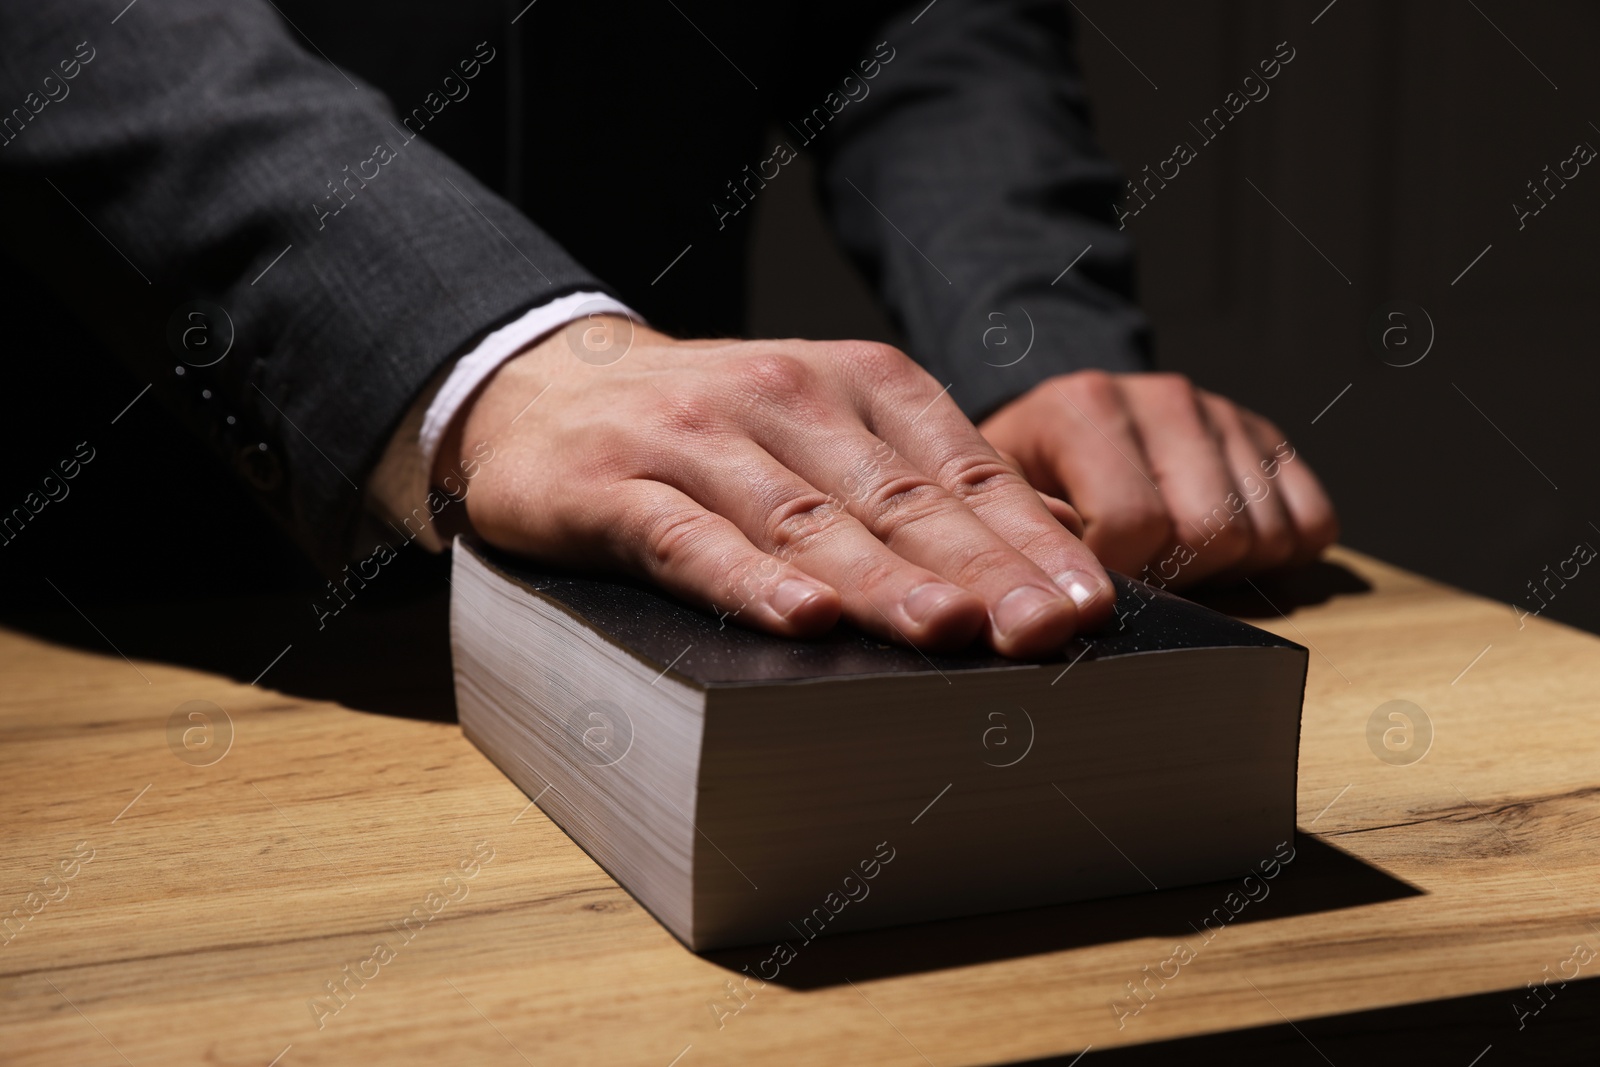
(596, 340)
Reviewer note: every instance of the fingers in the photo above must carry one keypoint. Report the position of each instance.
(1274, 539)
(933, 436)
(1186, 457)
(798, 482)
(1091, 451)
(705, 559)
(815, 418)
(1174, 484)
(1310, 511)
(881, 591)
(892, 531)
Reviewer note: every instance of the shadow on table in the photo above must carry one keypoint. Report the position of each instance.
(1321, 878)
(387, 652)
(1483, 1030)
(1270, 596)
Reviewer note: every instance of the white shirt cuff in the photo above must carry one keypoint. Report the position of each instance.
(471, 369)
(399, 489)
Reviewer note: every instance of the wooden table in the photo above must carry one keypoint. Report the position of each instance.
(222, 895)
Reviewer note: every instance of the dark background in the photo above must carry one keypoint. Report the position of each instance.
(1396, 141)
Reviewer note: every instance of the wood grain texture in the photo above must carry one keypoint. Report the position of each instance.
(222, 898)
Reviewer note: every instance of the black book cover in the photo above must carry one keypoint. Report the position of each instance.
(708, 649)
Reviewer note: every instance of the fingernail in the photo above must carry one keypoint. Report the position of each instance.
(1020, 605)
(791, 593)
(1081, 586)
(926, 598)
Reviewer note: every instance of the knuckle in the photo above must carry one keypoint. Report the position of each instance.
(879, 572)
(874, 362)
(975, 564)
(1097, 387)
(1097, 397)
(776, 375)
(880, 355)
(970, 477)
(1170, 396)
(903, 501)
(1038, 540)
(795, 525)
(677, 534)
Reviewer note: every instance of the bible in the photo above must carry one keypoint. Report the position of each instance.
(744, 787)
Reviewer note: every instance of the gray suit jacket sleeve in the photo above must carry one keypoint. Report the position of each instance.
(966, 181)
(220, 158)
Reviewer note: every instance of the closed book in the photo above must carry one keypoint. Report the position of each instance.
(747, 788)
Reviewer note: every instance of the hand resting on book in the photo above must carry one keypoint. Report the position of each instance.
(791, 482)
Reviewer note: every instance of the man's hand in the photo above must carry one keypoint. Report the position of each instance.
(1167, 475)
(791, 482)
